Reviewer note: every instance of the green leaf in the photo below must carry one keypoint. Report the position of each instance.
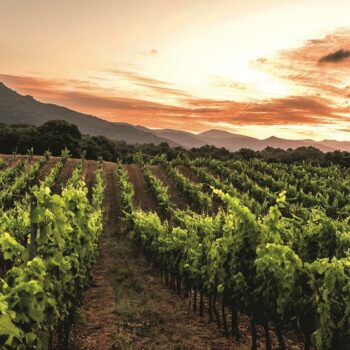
(8, 328)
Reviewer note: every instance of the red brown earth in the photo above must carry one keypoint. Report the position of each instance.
(65, 174)
(176, 196)
(143, 196)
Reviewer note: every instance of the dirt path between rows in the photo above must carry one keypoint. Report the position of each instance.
(187, 173)
(65, 174)
(89, 169)
(175, 195)
(45, 169)
(96, 328)
(127, 306)
(150, 315)
(11, 162)
(143, 196)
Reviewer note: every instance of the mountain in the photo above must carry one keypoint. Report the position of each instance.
(285, 144)
(336, 145)
(18, 109)
(218, 134)
(233, 142)
(185, 139)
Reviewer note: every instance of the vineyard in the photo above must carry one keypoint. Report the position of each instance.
(228, 254)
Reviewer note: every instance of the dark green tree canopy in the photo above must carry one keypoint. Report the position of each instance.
(55, 135)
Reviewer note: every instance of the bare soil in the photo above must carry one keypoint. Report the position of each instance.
(89, 169)
(188, 173)
(175, 195)
(97, 325)
(45, 169)
(152, 316)
(65, 174)
(143, 196)
(9, 159)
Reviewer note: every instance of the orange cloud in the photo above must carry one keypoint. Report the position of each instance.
(193, 114)
(320, 67)
(158, 86)
(335, 57)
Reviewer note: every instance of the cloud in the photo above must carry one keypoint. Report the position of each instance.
(159, 86)
(136, 77)
(166, 90)
(292, 110)
(29, 83)
(304, 68)
(151, 52)
(192, 114)
(228, 83)
(81, 95)
(335, 57)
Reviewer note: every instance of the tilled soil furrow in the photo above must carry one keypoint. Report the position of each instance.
(97, 327)
(65, 174)
(143, 196)
(89, 169)
(45, 170)
(151, 315)
(175, 195)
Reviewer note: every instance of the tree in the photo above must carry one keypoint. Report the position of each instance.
(246, 153)
(56, 135)
(97, 146)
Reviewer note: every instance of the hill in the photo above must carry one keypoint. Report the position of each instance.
(184, 138)
(231, 141)
(234, 142)
(18, 109)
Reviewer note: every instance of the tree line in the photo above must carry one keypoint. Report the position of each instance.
(56, 135)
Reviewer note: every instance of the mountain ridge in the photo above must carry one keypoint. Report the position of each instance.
(19, 109)
(25, 109)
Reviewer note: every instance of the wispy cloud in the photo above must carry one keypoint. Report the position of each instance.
(318, 68)
(335, 57)
(151, 52)
(159, 86)
(136, 77)
(318, 72)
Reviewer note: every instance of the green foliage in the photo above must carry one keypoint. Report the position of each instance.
(159, 190)
(273, 250)
(38, 295)
(47, 155)
(65, 153)
(126, 192)
(276, 247)
(9, 174)
(193, 191)
(331, 289)
(57, 135)
(9, 194)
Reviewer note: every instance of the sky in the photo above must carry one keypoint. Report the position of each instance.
(258, 68)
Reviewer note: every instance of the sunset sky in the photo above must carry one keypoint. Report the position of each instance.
(258, 68)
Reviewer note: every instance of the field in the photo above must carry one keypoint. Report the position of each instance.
(187, 254)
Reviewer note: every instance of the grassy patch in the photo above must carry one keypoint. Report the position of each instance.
(137, 309)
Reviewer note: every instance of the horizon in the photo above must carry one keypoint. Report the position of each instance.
(254, 69)
(179, 130)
